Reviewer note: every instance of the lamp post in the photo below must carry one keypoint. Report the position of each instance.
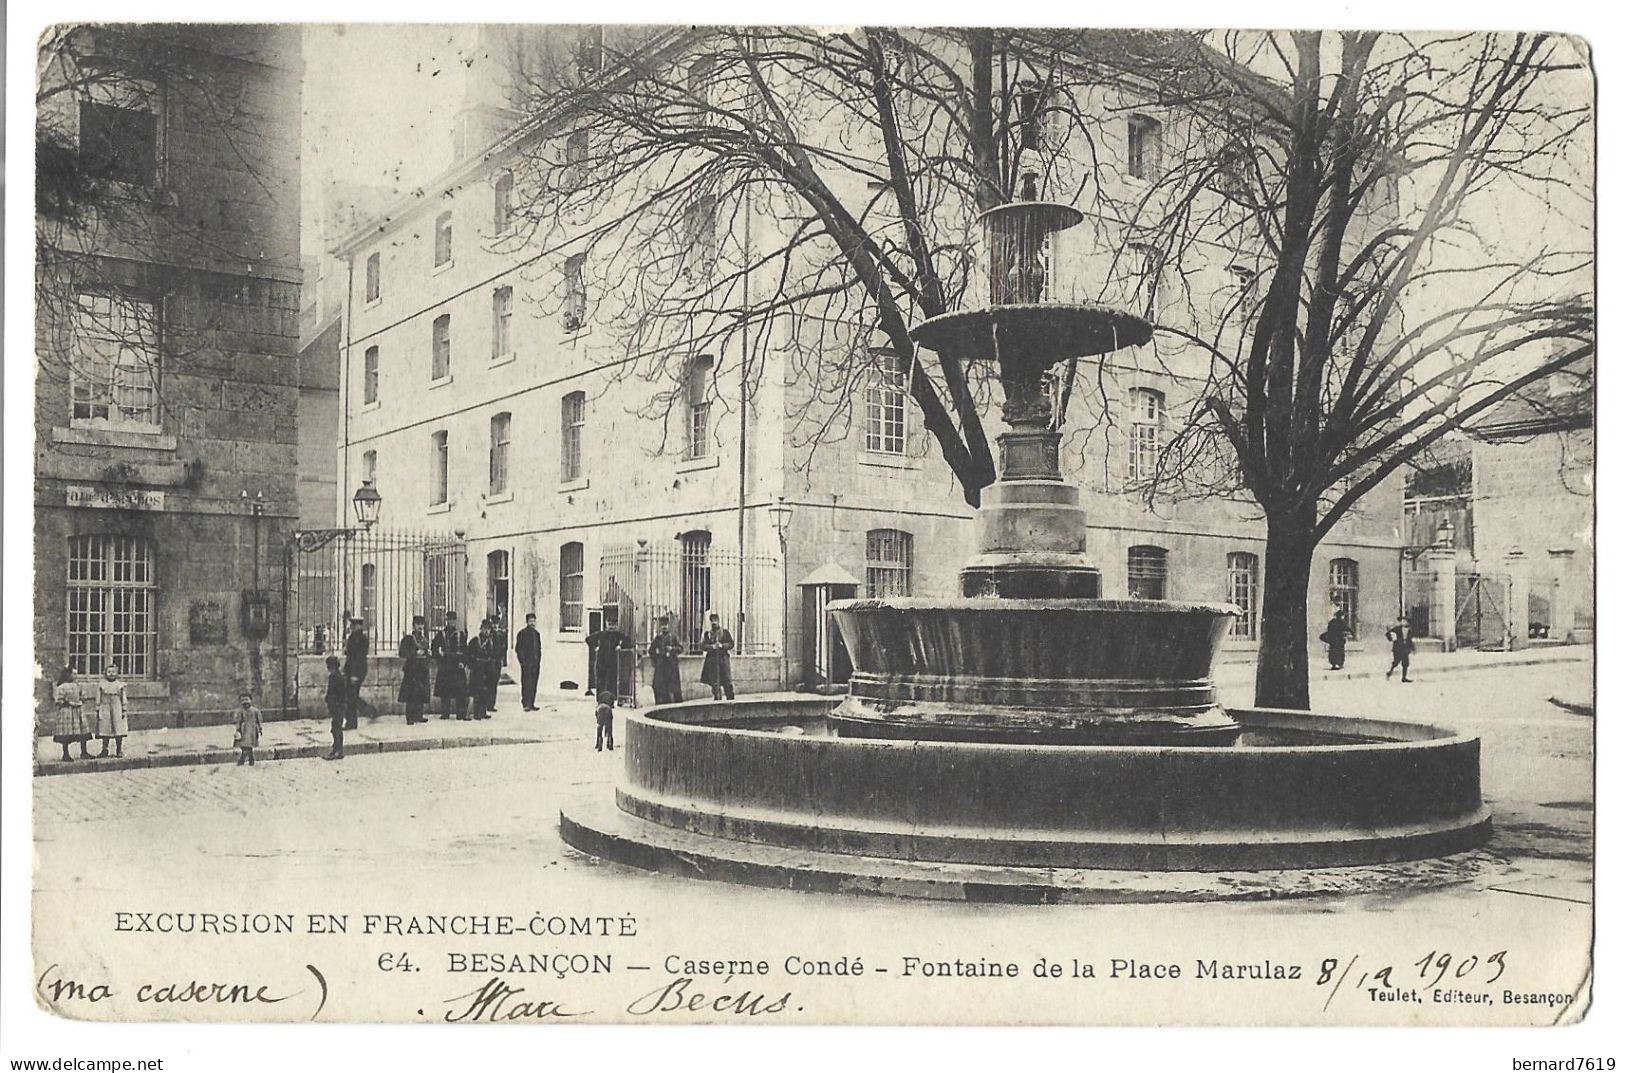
(367, 503)
(779, 513)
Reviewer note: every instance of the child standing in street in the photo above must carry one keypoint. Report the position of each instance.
(605, 714)
(338, 699)
(248, 729)
(72, 725)
(112, 709)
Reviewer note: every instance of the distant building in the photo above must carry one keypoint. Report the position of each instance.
(1514, 496)
(484, 400)
(168, 384)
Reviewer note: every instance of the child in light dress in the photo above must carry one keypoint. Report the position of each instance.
(112, 709)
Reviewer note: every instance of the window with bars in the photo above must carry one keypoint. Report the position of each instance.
(698, 387)
(374, 278)
(572, 423)
(114, 362)
(442, 239)
(369, 376)
(501, 321)
(696, 587)
(1242, 590)
(1144, 148)
(575, 292)
(572, 567)
(889, 563)
(439, 468)
(502, 202)
(440, 359)
(1147, 412)
(112, 605)
(885, 406)
(369, 594)
(1147, 572)
(501, 426)
(1345, 592)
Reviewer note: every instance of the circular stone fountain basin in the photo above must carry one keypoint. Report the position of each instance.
(1296, 791)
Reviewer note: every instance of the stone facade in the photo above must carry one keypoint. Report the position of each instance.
(206, 246)
(638, 481)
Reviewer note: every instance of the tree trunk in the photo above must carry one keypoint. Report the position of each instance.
(1283, 656)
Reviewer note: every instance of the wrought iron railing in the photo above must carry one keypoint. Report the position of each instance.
(688, 581)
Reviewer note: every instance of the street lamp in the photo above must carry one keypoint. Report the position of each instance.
(367, 503)
(779, 513)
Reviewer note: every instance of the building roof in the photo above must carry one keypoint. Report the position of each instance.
(1558, 403)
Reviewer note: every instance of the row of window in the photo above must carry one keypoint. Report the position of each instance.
(1148, 580)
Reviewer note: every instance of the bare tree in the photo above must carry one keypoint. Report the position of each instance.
(705, 185)
(716, 183)
(109, 233)
(1372, 193)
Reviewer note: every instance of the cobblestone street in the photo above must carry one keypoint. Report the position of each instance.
(474, 829)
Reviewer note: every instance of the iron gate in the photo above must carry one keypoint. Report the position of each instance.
(1480, 614)
(385, 577)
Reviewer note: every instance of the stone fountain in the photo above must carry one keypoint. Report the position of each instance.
(1026, 725)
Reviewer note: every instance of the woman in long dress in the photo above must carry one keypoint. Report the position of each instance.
(112, 704)
(71, 724)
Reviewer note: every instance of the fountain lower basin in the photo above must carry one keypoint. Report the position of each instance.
(1295, 791)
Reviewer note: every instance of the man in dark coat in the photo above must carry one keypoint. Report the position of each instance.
(603, 657)
(447, 649)
(415, 686)
(528, 647)
(484, 659)
(718, 646)
(355, 669)
(1399, 636)
(1336, 638)
(663, 653)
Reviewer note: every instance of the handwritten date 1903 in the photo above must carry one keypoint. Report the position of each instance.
(1432, 969)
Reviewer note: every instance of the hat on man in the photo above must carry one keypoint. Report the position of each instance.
(419, 620)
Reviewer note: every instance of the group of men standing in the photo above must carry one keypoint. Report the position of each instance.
(466, 669)
(462, 672)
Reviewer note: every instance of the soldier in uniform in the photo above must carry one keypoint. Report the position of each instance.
(415, 686)
(447, 648)
(484, 659)
(663, 653)
(528, 647)
(355, 668)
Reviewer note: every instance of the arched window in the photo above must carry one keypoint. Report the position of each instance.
(696, 586)
(1146, 414)
(369, 595)
(369, 467)
(1148, 572)
(1144, 148)
(369, 376)
(572, 565)
(497, 592)
(112, 605)
(1345, 592)
(889, 563)
(1243, 592)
